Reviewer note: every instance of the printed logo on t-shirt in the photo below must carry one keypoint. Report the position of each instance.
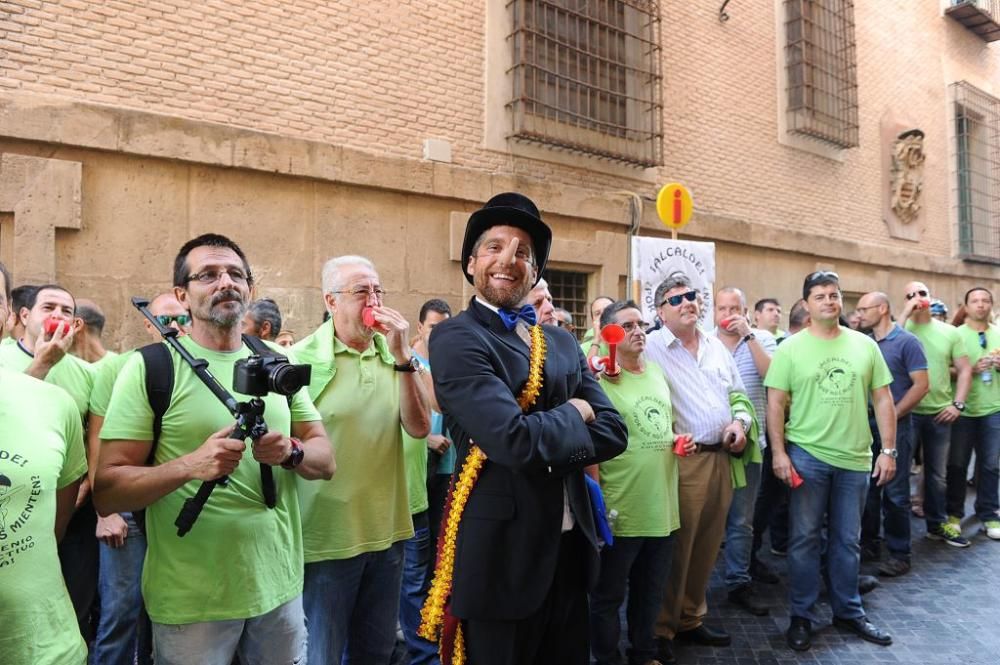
(17, 505)
(835, 380)
(652, 422)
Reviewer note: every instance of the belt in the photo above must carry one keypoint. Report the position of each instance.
(708, 448)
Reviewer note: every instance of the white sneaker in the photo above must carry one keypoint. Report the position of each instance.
(992, 529)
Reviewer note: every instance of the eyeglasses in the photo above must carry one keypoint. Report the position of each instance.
(564, 324)
(181, 319)
(629, 326)
(982, 340)
(679, 298)
(922, 293)
(213, 276)
(378, 293)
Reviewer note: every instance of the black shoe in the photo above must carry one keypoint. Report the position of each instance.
(894, 567)
(761, 573)
(799, 635)
(743, 596)
(665, 651)
(709, 637)
(867, 584)
(864, 629)
(871, 552)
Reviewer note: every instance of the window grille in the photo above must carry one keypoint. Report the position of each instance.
(569, 291)
(821, 65)
(586, 77)
(977, 172)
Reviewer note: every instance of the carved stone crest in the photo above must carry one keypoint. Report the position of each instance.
(907, 175)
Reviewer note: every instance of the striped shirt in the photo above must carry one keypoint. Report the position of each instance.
(752, 380)
(699, 387)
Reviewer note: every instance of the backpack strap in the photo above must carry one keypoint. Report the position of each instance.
(159, 386)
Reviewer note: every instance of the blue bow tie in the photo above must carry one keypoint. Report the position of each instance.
(510, 317)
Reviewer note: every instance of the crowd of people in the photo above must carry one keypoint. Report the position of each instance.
(483, 487)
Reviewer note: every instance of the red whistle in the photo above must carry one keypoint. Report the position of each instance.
(51, 325)
(796, 478)
(679, 444)
(724, 323)
(922, 303)
(368, 318)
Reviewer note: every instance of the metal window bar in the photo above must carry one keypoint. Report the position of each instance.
(586, 77)
(821, 67)
(569, 291)
(977, 172)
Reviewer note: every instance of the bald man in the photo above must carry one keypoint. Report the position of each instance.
(905, 357)
(89, 321)
(940, 408)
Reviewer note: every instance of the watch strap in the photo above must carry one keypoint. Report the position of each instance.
(295, 457)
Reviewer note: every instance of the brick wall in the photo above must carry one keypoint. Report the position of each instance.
(382, 76)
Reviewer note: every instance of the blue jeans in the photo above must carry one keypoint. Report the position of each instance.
(891, 501)
(935, 439)
(351, 607)
(981, 434)
(739, 530)
(643, 564)
(839, 496)
(416, 580)
(123, 630)
(278, 636)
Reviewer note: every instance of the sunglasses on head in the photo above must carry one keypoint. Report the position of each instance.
(181, 319)
(679, 298)
(922, 293)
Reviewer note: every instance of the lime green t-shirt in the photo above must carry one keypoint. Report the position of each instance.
(984, 398)
(415, 454)
(41, 451)
(641, 483)
(942, 346)
(105, 373)
(73, 375)
(366, 507)
(240, 559)
(830, 382)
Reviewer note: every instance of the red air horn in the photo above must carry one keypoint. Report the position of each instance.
(612, 334)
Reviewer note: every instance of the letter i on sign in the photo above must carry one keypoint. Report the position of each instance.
(674, 206)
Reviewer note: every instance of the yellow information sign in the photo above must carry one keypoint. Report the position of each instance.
(674, 205)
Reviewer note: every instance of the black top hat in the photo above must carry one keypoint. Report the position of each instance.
(509, 209)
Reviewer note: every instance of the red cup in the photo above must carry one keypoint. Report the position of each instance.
(796, 479)
(679, 444)
(51, 325)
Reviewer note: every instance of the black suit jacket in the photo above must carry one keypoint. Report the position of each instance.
(508, 541)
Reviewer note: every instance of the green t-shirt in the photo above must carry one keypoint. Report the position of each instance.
(641, 483)
(942, 346)
(830, 382)
(73, 375)
(366, 507)
(105, 373)
(41, 451)
(240, 559)
(984, 398)
(415, 454)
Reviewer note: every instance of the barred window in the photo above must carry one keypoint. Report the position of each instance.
(821, 63)
(977, 172)
(586, 77)
(569, 291)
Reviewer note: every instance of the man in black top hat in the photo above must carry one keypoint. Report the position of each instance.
(526, 551)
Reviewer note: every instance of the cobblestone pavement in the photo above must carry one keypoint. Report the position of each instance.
(945, 611)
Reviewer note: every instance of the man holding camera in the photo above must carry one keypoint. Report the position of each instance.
(233, 584)
(368, 389)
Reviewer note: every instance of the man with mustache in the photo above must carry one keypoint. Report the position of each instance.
(233, 584)
(526, 546)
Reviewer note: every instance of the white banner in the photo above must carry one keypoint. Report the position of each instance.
(655, 259)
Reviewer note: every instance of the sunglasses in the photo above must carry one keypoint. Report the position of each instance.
(679, 298)
(982, 340)
(181, 319)
(922, 293)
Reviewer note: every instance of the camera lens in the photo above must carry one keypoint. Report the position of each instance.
(287, 379)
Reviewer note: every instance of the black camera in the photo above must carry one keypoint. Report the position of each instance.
(259, 375)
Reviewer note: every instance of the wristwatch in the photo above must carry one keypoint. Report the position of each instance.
(958, 405)
(412, 365)
(890, 452)
(749, 337)
(294, 457)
